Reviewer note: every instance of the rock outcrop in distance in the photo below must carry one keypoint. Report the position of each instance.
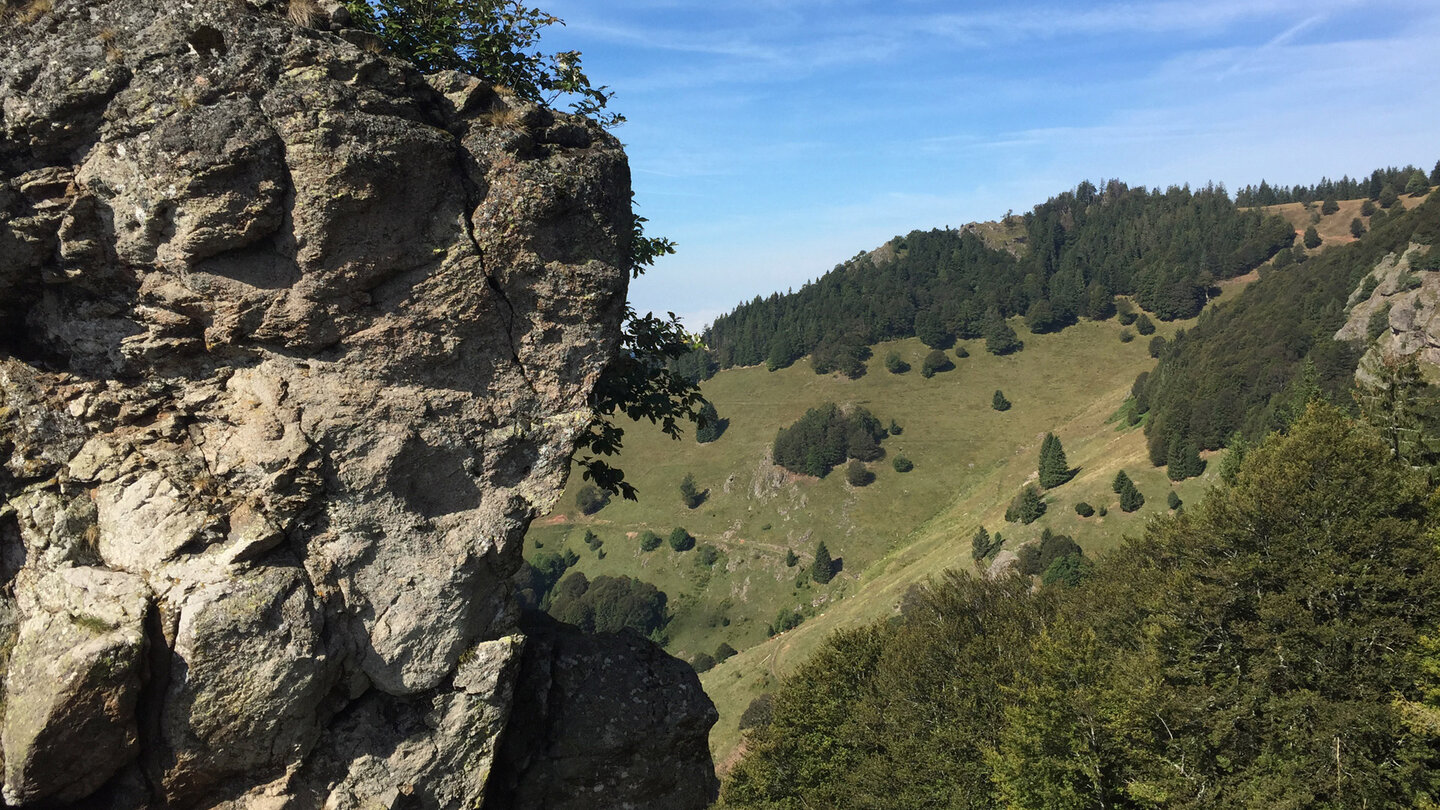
(294, 343)
(1406, 301)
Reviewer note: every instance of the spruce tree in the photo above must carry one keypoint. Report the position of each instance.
(1312, 238)
(1027, 506)
(1121, 481)
(980, 544)
(1330, 206)
(858, 474)
(999, 402)
(689, 494)
(1357, 227)
(681, 540)
(1435, 174)
(823, 569)
(711, 425)
(1054, 468)
(1144, 325)
(1130, 497)
(1101, 303)
(1173, 500)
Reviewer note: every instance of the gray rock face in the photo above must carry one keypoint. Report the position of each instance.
(294, 343)
(1410, 301)
(73, 682)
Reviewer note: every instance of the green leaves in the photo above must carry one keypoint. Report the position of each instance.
(640, 384)
(492, 39)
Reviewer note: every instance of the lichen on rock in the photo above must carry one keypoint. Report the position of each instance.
(294, 343)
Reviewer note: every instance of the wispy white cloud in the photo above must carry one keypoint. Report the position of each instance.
(775, 138)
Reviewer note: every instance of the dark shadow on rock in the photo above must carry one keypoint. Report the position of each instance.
(610, 709)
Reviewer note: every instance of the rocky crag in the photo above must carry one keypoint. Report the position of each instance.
(294, 343)
(1405, 305)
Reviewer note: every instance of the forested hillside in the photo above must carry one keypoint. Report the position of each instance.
(1166, 249)
(1247, 368)
(1266, 648)
(1399, 181)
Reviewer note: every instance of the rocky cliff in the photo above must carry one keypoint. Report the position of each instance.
(294, 343)
(1404, 305)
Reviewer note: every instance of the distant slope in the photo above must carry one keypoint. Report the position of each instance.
(970, 460)
(1081, 247)
(1234, 370)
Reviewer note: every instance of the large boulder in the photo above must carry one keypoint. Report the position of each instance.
(294, 343)
(73, 682)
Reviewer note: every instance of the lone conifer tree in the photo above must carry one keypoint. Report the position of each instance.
(1027, 506)
(1121, 481)
(823, 569)
(689, 494)
(1312, 238)
(980, 544)
(999, 402)
(711, 424)
(1054, 468)
(1130, 497)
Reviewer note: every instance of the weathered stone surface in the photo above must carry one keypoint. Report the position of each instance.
(73, 682)
(443, 758)
(603, 721)
(248, 673)
(294, 343)
(1413, 313)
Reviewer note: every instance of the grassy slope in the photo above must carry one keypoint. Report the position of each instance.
(1334, 229)
(900, 530)
(969, 461)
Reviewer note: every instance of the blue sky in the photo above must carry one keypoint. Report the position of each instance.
(773, 139)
